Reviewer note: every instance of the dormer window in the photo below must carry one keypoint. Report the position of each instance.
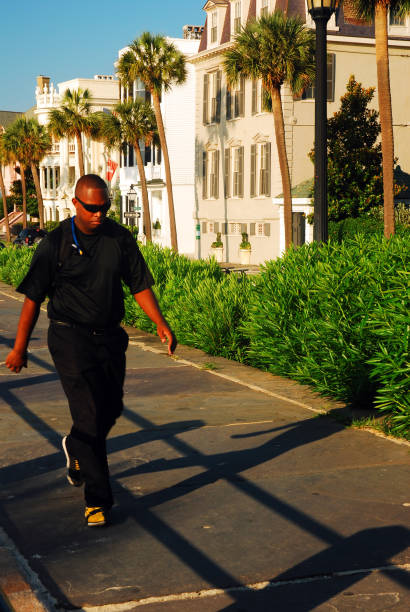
(237, 17)
(214, 27)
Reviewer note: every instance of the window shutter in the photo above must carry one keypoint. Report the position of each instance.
(216, 227)
(240, 177)
(242, 97)
(224, 228)
(216, 195)
(254, 97)
(266, 229)
(227, 173)
(331, 57)
(252, 227)
(268, 168)
(244, 228)
(204, 174)
(228, 103)
(253, 170)
(218, 96)
(204, 227)
(205, 119)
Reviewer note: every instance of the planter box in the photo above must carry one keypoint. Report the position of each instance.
(218, 253)
(245, 256)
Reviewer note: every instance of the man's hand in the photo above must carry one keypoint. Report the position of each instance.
(165, 333)
(148, 302)
(16, 360)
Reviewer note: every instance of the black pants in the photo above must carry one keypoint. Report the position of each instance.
(92, 370)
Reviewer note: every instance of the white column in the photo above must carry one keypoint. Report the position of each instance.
(48, 181)
(54, 182)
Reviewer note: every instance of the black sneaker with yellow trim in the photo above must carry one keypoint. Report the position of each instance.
(74, 475)
(96, 516)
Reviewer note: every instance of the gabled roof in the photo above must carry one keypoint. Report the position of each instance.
(212, 3)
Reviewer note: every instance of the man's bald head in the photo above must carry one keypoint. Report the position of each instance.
(88, 184)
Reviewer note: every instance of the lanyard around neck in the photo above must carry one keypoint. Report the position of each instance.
(76, 243)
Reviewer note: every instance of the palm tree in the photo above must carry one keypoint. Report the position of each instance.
(4, 160)
(379, 11)
(72, 119)
(13, 147)
(130, 122)
(159, 65)
(275, 49)
(34, 140)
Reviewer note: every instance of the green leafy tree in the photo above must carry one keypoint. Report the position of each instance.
(276, 49)
(5, 159)
(73, 118)
(355, 182)
(35, 142)
(14, 149)
(15, 199)
(159, 65)
(378, 10)
(131, 122)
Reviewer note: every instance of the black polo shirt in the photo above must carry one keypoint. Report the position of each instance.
(87, 288)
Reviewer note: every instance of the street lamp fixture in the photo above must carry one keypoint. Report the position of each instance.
(321, 11)
(132, 197)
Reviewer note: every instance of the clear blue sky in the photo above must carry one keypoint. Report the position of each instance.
(76, 38)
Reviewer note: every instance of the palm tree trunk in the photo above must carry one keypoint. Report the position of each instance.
(80, 154)
(5, 211)
(144, 190)
(24, 193)
(386, 117)
(283, 162)
(38, 193)
(161, 132)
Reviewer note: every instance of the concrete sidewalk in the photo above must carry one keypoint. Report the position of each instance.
(233, 493)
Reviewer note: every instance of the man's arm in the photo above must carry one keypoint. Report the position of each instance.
(148, 302)
(17, 358)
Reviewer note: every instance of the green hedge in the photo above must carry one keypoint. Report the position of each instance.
(333, 316)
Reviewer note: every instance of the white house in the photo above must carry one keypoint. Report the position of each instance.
(178, 111)
(59, 169)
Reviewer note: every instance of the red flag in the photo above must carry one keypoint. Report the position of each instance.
(111, 168)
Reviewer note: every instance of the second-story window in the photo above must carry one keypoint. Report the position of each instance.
(395, 19)
(260, 169)
(309, 93)
(214, 27)
(259, 98)
(235, 100)
(237, 17)
(212, 97)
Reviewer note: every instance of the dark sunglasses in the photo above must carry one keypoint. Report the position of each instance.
(94, 208)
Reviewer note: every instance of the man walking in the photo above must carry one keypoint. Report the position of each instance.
(80, 266)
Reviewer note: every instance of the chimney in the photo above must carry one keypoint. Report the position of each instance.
(43, 80)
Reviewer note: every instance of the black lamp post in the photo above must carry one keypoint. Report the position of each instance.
(321, 11)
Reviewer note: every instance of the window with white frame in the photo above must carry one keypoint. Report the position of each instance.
(212, 97)
(214, 27)
(260, 169)
(399, 25)
(259, 229)
(210, 174)
(264, 9)
(236, 24)
(259, 98)
(309, 92)
(235, 100)
(233, 172)
(235, 228)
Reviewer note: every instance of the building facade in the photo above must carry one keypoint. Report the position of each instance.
(178, 111)
(59, 170)
(238, 181)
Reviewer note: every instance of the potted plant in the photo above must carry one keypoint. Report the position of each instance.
(217, 248)
(156, 227)
(245, 250)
